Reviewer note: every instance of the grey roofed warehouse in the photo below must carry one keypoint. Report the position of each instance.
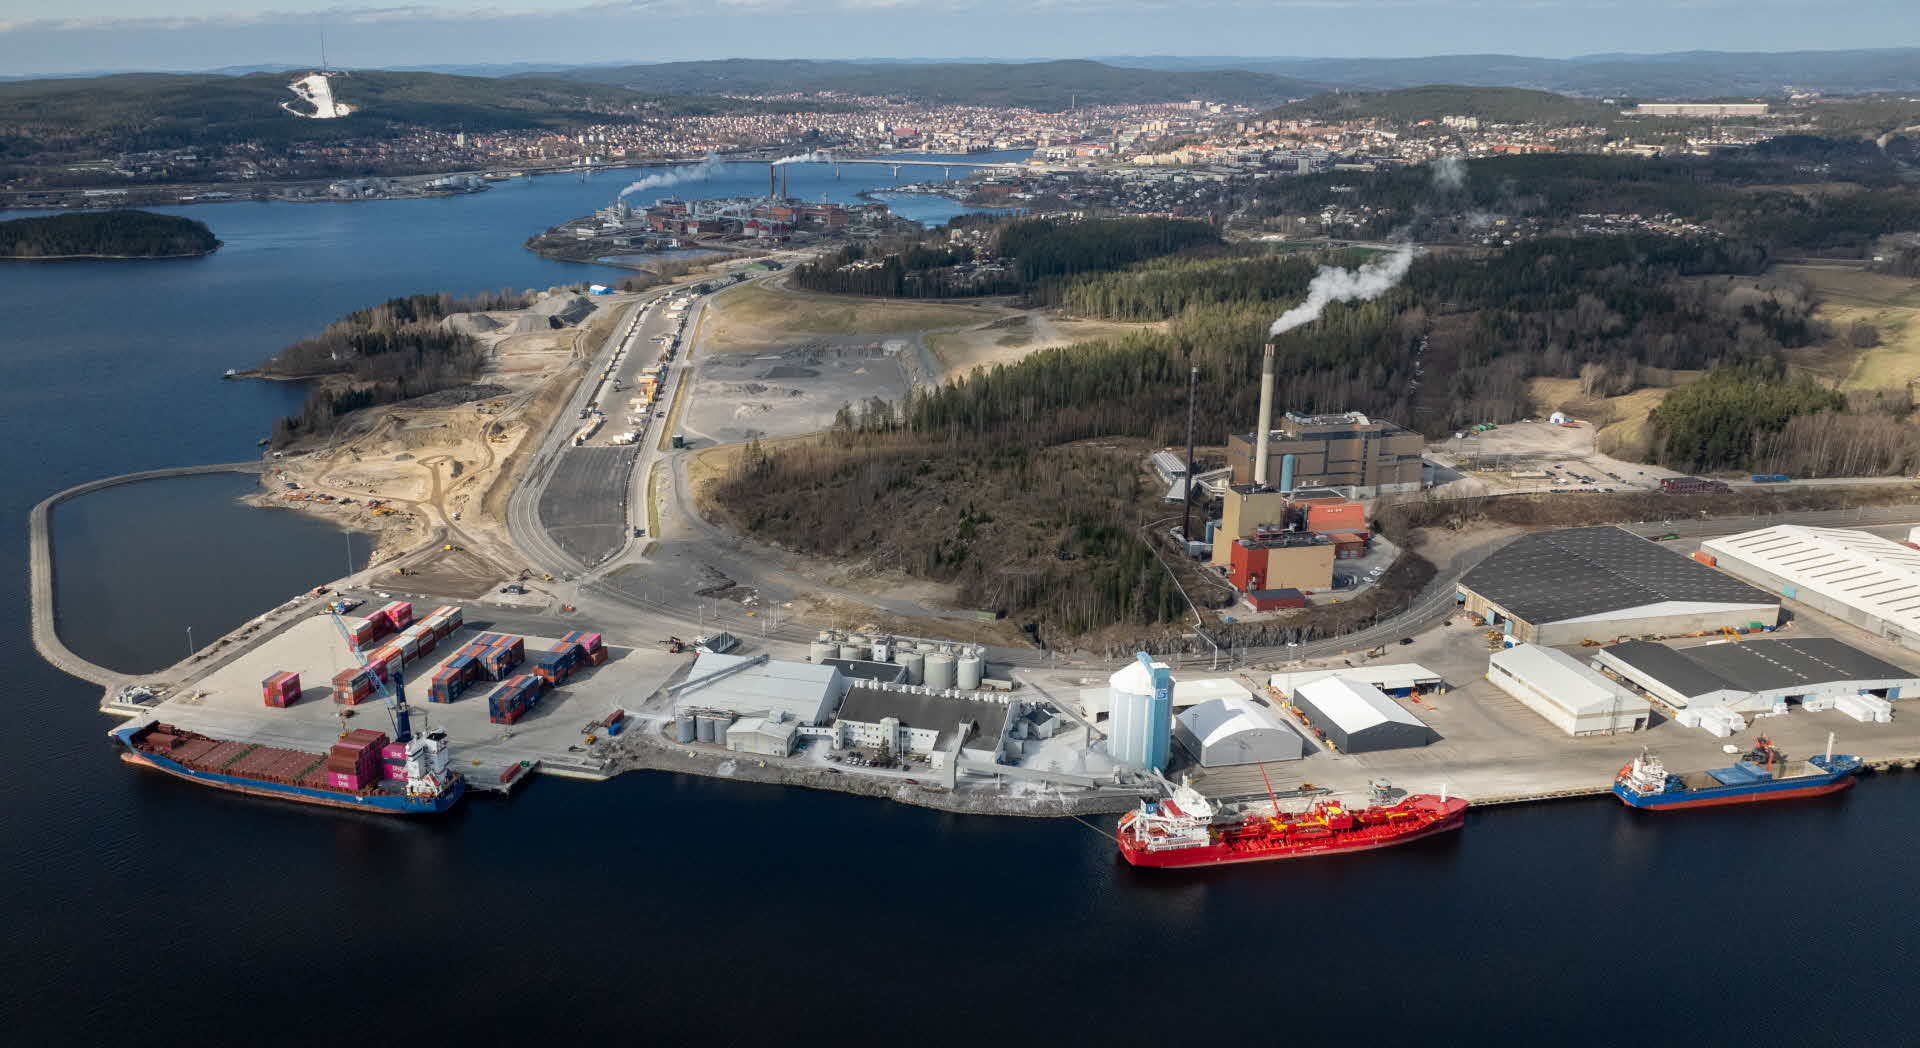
(1755, 674)
(1563, 587)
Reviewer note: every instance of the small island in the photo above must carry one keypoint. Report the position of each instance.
(105, 235)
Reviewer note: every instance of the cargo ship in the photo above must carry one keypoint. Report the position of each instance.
(1182, 830)
(361, 774)
(1764, 774)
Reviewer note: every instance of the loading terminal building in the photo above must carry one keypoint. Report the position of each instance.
(1400, 679)
(1559, 588)
(1754, 675)
(797, 692)
(1572, 696)
(1359, 718)
(1223, 732)
(1857, 577)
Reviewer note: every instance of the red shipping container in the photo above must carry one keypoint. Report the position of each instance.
(597, 658)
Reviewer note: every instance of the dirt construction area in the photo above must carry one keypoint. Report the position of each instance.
(787, 392)
(1533, 456)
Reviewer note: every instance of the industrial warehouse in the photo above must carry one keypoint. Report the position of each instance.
(1855, 576)
(1755, 675)
(1572, 696)
(1222, 732)
(1355, 717)
(1559, 588)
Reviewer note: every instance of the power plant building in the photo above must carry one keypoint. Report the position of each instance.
(1573, 697)
(1755, 675)
(1558, 588)
(1359, 718)
(1223, 732)
(1856, 577)
(1362, 456)
(1139, 731)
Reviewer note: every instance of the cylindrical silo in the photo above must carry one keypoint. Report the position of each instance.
(821, 650)
(882, 649)
(914, 663)
(1140, 697)
(684, 729)
(970, 668)
(940, 671)
(704, 728)
(853, 651)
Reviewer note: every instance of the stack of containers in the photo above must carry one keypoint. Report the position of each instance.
(593, 649)
(366, 631)
(502, 656)
(615, 721)
(558, 663)
(443, 621)
(399, 614)
(416, 641)
(393, 762)
(511, 700)
(453, 678)
(352, 686)
(281, 690)
(354, 762)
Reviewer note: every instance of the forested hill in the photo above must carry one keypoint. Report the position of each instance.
(1036, 85)
(105, 234)
(1499, 105)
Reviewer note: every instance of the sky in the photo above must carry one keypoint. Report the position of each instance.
(39, 37)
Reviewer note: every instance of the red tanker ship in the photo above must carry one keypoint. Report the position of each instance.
(1181, 831)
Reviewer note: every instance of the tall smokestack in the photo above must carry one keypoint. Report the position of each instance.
(773, 173)
(783, 183)
(1266, 418)
(1186, 510)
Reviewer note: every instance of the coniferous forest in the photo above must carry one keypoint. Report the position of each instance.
(105, 234)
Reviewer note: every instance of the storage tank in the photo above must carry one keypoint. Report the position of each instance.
(971, 667)
(684, 729)
(853, 651)
(704, 728)
(882, 649)
(940, 672)
(1140, 697)
(821, 650)
(914, 663)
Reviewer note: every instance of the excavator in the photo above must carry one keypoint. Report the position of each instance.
(675, 645)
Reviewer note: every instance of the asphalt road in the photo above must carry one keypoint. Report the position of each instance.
(583, 507)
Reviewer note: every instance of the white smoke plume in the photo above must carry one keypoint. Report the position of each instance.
(1346, 285)
(814, 157)
(673, 177)
(1450, 172)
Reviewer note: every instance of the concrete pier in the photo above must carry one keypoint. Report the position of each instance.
(46, 632)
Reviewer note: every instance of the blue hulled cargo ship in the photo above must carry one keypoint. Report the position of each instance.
(428, 787)
(1765, 774)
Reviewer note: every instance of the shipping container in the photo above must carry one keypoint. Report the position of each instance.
(399, 614)
(1771, 478)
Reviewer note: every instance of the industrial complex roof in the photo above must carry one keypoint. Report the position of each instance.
(1354, 705)
(1553, 576)
(915, 710)
(1097, 701)
(802, 690)
(1393, 677)
(1565, 680)
(1861, 570)
(1756, 665)
(1242, 728)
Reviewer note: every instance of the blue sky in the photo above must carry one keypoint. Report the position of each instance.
(60, 36)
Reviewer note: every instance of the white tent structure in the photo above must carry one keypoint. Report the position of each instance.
(1222, 732)
(1575, 698)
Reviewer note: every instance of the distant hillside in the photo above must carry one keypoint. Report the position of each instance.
(105, 234)
(1502, 105)
(140, 111)
(1690, 74)
(1037, 85)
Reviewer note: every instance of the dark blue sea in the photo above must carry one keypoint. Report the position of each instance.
(658, 909)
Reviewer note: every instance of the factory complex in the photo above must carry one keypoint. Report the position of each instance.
(1855, 576)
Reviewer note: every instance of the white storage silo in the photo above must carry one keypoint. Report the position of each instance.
(913, 662)
(940, 671)
(970, 667)
(1140, 698)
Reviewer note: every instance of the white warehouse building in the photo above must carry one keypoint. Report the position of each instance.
(1573, 697)
(1222, 732)
(1857, 577)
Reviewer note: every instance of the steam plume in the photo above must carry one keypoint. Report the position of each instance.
(1346, 285)
(673, 177)
(1450, 172)
(814, 157)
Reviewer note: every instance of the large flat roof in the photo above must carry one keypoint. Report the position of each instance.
(1553, 576)
(1391, 677)
(1757, 665)
(1860, 570)
(804, 690)
(914, 710)
(1566, 681)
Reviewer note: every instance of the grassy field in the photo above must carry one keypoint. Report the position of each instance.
(1891, 304)
(752, 316)
(1623, 431)
(1016, 335)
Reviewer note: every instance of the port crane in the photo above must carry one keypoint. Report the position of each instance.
(429, 763)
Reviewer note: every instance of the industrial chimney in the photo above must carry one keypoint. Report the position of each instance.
(783, 183)
(1266, 418)
(773, 173)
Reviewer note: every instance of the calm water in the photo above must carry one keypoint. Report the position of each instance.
(666, 910)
